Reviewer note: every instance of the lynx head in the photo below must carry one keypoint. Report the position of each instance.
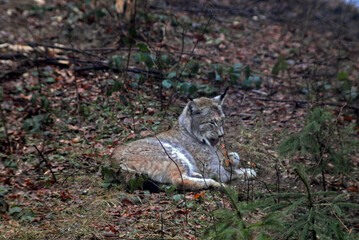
(203, 118)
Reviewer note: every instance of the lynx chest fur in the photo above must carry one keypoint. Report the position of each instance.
(187, 155)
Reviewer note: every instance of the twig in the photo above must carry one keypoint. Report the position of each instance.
(278, 179)
(180, 172)
(48, 164)
(337, 217)
(32, 44)
(302, 102)
(78, 98)
(185, 66)
(3, 119)
(162, 232)
(326, 147)
(13, 56)
(96, 65)
(178, 68)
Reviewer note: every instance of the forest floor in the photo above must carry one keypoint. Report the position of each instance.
(67, 101)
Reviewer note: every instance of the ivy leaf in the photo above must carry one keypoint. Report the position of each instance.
(165, 58)
(247, 71)
(167, 83)
(235, 72)
(218, 70)
(257, 81)
(137, 57)
(50, 80)
(15, 210)
(171, 75)
(247, 83)
(147, 59)
(193, 66)
(237, 66)
(178, 197)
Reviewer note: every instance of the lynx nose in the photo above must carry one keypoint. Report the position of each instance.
(214, 141)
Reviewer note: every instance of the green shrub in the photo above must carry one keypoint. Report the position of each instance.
(323, 143)
(230, 223)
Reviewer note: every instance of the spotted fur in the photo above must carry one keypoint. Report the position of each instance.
(186, 155)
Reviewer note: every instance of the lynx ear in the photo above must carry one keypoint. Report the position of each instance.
(220, 98)
(193, 108)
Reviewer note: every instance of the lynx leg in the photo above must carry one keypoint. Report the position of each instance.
(182, 180)
(193, 183)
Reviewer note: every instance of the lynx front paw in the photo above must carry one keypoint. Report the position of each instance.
(235, 158)
(214, 184)
(246, 172)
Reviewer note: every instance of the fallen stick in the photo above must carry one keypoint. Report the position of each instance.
(48, 164)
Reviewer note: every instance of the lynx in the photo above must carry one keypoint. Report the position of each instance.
(187, 155)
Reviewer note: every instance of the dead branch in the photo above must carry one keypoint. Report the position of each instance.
(95, 65)
(48, 164)
(299, 102)
(13, 56)
(32, 44)
(3, 119)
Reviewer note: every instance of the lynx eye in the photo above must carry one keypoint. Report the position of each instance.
(209, 123)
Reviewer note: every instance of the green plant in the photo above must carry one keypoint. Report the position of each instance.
(169, 189)
(346, 87)
(109, 175)
(312, 215)
(23, 213)
(4, 191)
(323, 143)
(250, 80)
(137, 182)
(248, 83)
(35, 123)
(42, 107)
(234, 72)
(280, 66)
(117, 62)
(231, 223)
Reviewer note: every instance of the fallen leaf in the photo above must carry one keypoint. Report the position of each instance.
(198, 195)
(353, 189)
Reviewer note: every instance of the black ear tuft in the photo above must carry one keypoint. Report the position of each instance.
(220, 98)
(224, 94)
